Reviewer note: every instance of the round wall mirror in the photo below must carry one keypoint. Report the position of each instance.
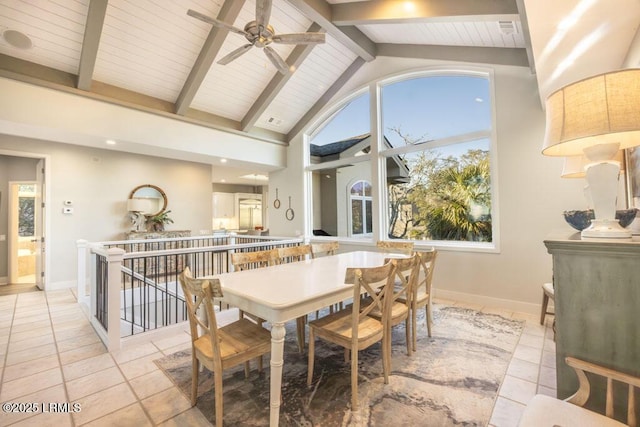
(147, 199)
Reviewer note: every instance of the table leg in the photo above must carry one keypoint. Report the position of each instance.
(277, 360)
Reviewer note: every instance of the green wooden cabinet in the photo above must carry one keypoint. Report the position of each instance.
(597, 303)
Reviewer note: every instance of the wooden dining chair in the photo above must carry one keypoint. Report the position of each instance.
(352, 327)
(294, 254)
(544, 410)
(422, 294)
(324, 249)
(401, 247)
(218, 349)
(249, 260)
(406, 278)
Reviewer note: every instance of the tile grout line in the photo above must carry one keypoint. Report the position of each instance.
(127, 381)
(6, 352)
(55, 343)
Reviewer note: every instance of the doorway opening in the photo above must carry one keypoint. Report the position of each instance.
(23, 232)
(24, 264)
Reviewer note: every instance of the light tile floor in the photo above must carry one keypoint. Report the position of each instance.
(50, 354)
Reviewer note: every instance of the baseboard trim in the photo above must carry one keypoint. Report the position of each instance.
(56, 286)
(499, 303)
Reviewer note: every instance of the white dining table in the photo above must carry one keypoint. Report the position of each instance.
(284, 292)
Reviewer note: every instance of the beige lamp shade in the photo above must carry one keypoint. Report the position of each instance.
(599, 110)
(574, 166)
(137, 205)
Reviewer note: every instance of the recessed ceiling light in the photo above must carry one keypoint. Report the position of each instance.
(110, 142)
(223, 160)
(17, 39)
(223, 180)
(409, 6)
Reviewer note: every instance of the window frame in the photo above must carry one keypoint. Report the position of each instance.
(363, 198)
(378, 155)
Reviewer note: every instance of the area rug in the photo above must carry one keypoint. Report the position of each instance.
(452, 378)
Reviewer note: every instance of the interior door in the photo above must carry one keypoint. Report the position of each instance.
(39, 224)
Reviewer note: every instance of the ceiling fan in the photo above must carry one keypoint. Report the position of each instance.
(260, 34)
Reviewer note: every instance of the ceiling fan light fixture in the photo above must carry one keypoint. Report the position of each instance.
(260, 34)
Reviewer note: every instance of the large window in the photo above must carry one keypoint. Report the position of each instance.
(437, 130)
(339, 153)
(433, 161)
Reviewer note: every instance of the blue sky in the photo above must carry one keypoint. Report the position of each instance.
(434, 107)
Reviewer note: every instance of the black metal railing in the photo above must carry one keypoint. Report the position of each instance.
(102, 290)
(150, 294)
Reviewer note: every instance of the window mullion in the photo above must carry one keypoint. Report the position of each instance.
(378, 176)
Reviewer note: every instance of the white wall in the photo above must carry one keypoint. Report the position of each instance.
(531, 195)
(98, 182)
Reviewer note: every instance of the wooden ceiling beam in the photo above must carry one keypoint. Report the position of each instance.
(480, 55)
(90, 43)
(526, 35)
(394, 12)
(40, 75)
(352, 38)
(228, 13)
(279, 80)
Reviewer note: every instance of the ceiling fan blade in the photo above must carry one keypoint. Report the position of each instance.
(263, 12)
(276, 60)
(215, 22)
(235, 54)
(299, 38)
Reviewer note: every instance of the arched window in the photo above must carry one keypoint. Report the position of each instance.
(427, 169)
(360, 209)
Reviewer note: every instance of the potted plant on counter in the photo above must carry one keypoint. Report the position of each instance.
(157, 222)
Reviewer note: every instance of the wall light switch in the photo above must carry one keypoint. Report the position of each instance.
(68, 202)
(67, 211)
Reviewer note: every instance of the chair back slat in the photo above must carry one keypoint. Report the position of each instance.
(325, 248)
(249, 260)
(400, 247)
(293, 253)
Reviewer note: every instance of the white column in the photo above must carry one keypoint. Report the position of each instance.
(81, 282)
(114, 286)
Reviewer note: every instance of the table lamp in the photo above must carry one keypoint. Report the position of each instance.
(597, 117)
(136, 207)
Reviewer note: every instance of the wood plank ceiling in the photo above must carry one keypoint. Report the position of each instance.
(150, 54)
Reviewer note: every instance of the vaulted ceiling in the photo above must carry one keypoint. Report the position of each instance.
(150, 54)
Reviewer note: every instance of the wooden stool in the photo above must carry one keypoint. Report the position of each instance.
(547, 293)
